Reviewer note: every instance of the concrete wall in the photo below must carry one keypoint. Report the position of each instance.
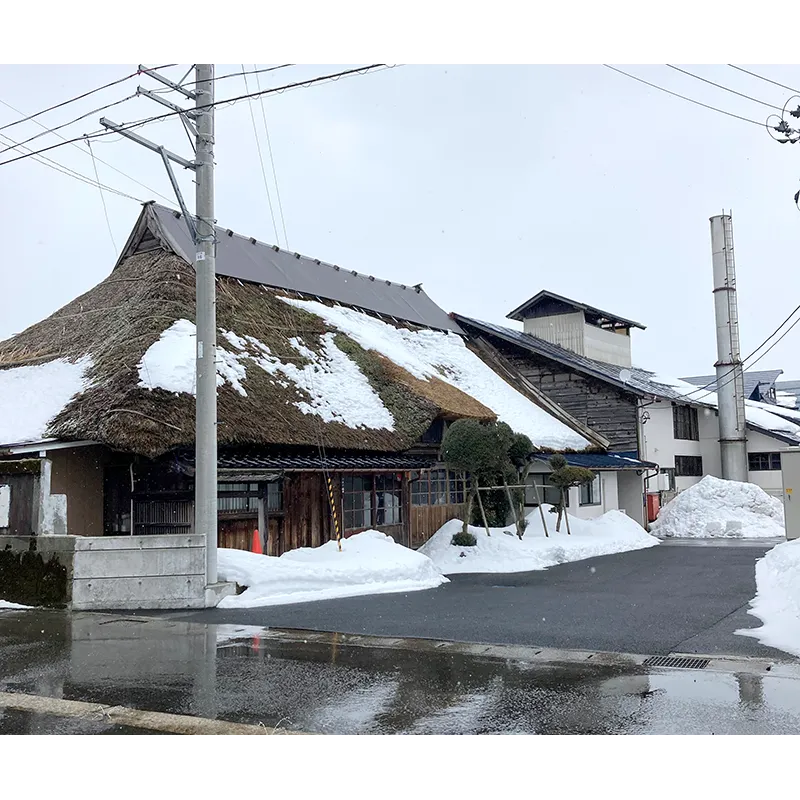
(77, 473)
(116, 572)
(605, 345)
(630, 493)
(563, 329)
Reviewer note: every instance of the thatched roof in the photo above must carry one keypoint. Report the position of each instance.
(280, 366)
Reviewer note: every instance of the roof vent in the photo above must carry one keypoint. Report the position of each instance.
(388, 283)
(252, 240)
(275, 248)
(229, 232)
(372, 277)
(297, 255)
(335, 266)
(176, 214)
(317, 261)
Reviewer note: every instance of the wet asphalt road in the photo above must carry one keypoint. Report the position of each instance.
(676, 597)
(326, 684)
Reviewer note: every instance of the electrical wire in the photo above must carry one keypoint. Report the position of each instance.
(260, 157)
(110, 166)
(64, 124)
(231, 101)
(48, 162)
(683, 97)
(237, 74)
(272, 160)
(102, 196)
(79, 97)
(724, 88)
(762, 78)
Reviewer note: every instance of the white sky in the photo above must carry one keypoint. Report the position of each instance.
(486, 183)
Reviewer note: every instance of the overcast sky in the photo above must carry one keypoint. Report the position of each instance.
(486, 184)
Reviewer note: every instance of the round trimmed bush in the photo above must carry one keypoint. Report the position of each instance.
(462, 539)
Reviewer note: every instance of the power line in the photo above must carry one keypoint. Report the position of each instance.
(239, 74)
(260, 157)
(102, 197)
(78, 97)
(74, 144)
(64, 124)
(762, 78)
(683, 97)
(272, 161)
(231, 101)
(724, 88)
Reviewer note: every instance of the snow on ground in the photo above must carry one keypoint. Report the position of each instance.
(759, 414)
(6, 605)
(777, 602)
(717, 508)
(503, 551)
(370, 563)
(32, 396)
(427, 353)
(338, 390)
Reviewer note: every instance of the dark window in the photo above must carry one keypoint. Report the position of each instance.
(117, 497)
(759, 462)
(371, 501)
(688, 466)
(437, 487)
(684, 423)
(590, 493)
(275, 496)
(237, 498)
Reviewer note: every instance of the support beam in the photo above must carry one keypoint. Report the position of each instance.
(156, 148)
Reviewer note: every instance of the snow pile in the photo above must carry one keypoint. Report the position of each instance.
(370, 563)
(717, 508)
(5, 604)
(32, 396)
(777, 602)
(338, 390)
(758, 414)
(427, 353)
(504, 551)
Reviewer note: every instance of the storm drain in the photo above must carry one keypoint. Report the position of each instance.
(676, 662)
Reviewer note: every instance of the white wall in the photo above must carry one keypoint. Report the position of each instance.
(768, 480)
(604, 345)
(563, 329)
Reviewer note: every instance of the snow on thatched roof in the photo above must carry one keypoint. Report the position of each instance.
(290, 372)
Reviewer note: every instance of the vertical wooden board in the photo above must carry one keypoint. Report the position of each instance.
(316, 510)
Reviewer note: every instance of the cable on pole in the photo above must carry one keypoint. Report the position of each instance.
(724, 88)
(102, 196)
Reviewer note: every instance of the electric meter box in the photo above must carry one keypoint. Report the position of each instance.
(790, 472)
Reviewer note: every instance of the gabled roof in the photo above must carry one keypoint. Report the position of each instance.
(249, 260)
(521, 312)
(638, 381)
(753, 379)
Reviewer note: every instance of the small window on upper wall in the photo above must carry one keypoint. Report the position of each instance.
(761, 462)
(684, 423)
(688, 466)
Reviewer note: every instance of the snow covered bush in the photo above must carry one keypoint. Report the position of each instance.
(717, 508)
(462, 539)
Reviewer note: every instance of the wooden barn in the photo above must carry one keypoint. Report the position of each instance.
(334, 391)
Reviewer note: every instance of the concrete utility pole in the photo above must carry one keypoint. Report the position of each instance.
(199, 121)
(730, 375)
(205, 481)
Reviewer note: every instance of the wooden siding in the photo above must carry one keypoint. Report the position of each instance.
(426, 520)
(22, 511)
(604, 408)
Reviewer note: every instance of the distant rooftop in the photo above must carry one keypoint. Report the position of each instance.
(757, 383)
(551, 303)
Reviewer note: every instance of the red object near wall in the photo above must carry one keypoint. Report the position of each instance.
(653, 507)
(257, 548)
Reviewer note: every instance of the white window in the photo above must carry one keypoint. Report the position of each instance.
(590, 493)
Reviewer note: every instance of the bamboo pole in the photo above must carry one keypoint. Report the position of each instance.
(483, 513)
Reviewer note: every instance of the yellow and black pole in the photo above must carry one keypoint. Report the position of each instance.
(335, 515)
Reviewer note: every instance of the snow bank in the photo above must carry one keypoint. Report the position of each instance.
(717, 508)
(370, 563)
(32, 396)
(5, 604)
(503, 551)
(427, 353)
(777, 602)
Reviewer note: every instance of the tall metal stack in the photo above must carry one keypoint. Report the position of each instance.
(730, 373)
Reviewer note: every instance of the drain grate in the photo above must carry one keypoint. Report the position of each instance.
(676, 662)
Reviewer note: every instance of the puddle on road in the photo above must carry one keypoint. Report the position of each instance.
(322, 683)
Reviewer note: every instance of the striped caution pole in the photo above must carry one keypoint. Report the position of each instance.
(335, 515)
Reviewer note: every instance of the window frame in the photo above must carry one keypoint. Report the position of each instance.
(767, 462)
(438, 487)
(590, 492)
(681, 473)
(685, 423)
(373, 510)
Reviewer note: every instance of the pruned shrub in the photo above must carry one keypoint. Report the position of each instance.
(462, 539)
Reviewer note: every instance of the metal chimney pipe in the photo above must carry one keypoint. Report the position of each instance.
(730, 375)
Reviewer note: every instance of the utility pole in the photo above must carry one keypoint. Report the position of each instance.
(730, 375)
(200, 122)
(205, 479)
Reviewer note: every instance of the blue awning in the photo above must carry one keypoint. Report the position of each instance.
(602, 461)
